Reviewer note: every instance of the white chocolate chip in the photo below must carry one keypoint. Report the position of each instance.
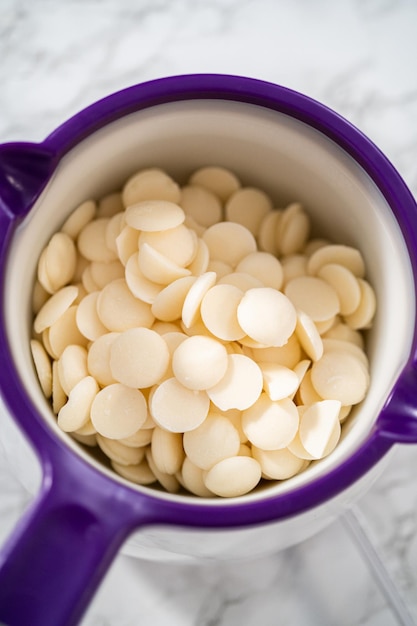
(199, 362)
(119, 310)
(139, 357)
(340, 376)
(176, 408)
(278, 464)
(233, 477)
(267, 316)
(219, 312)
(118, 411)
(270, 425)
(76, 412)
(320, 428)
(150, 184)
(241, 385)
(43, 366)
(54, 308)
(219, 180)
(201, 204)
(214, 440)
(248, 206)
(154, 215)
(313, 296)
(229, 242)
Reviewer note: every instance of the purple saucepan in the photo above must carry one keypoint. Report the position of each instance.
(273, 138)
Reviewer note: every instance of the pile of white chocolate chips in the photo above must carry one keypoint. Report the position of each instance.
(197, 335)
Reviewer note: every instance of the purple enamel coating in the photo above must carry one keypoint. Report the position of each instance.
(63, 546)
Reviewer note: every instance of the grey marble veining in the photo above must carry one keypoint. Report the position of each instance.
(358, 57)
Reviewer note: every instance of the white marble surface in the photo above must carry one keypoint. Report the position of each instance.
(357, 56)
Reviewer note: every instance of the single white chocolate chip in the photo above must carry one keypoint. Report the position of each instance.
(219, 312)
(293, 266)
(65, 332)
(176, 408)
(320, 428)
(270, 425)
(59, 397)
(140, 474)
(201, 204)
(279, 381)
(168, 481)
(214, 440)
(278, 464)
(98, 359)
(267, 230)
(60, 260)
(229, 242)
(72, 366)
(127, 243)
(340, 376)
(313, 296)
(79, 218)
(116, 451)
(87, 281)
(119, 310)
(88, 320)
(344, 283)
(192, 301)
(167, 451)
(363, 315)
(118, 411)
(168, 303)
(199, 362)
(263, 266)
(150, 184)
(92, 241)
(140, 286)
(309, 336)
(43, 366)
(54, 308)
(154, 215)
(192, 479)
(267, 316)
(347, 256)
(219, 180)
(139, 358)
(294, 233)
(241, 385)
(76, 412)
(248, 206)
(233, 476)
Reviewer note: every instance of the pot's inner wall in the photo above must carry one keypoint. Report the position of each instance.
(283, 156)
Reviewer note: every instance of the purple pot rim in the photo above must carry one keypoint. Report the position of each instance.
(52, 450)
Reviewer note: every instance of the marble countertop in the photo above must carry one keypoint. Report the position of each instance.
(356, 56)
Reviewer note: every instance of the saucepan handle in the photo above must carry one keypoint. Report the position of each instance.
(25, 169)
(54, 561)
(398, 419)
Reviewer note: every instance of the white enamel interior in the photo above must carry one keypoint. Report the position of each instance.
(273, 151)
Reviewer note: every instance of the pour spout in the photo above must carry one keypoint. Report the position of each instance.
(25, 169)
